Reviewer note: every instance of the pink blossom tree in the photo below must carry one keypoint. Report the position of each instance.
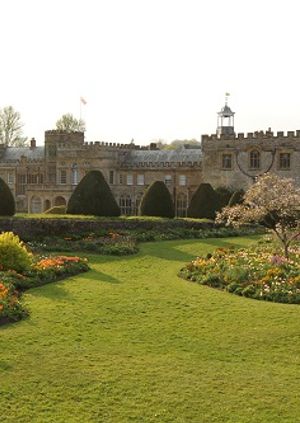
(273, 202)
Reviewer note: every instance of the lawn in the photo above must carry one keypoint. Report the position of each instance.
(131, 342)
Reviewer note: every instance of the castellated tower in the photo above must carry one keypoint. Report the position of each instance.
(236, 160)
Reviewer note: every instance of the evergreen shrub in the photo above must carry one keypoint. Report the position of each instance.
(157, 201)
(7, 202)
(93, 196)
(224, 195)
(204, 202)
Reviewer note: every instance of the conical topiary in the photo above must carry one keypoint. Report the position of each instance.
(7, 202)
(204, 203)
(224, 194)
(157, 201)
(93, 196)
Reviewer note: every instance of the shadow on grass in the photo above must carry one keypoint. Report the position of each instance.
(97, 276)
(171, 250)
(52, 290)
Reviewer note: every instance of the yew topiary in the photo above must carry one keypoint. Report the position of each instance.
(7, 202)
(93, 196)
(157, 201)
(204, 203)
(224, 195)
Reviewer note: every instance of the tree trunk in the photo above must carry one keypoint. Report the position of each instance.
(286, 250)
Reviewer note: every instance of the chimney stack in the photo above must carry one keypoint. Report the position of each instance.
(32, 143)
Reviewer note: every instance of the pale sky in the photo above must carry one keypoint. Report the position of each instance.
(151, 69)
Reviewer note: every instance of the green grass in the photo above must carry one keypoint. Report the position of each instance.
(131, 342)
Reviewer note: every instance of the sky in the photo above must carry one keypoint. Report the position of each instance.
(151, 69)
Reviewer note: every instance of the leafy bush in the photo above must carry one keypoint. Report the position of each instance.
(56, 210)
(7, 202)
(157, 201)
(204, 202)
(255, 273)
(92, 196)
(13, 253)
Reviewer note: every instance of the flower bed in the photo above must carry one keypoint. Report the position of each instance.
(125, 242)
(256, 273)
(11, 308)
(43, 270)
(111, 243)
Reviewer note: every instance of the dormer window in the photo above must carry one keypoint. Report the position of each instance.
(254, 159)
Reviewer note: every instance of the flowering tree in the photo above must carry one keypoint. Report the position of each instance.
(273, 202)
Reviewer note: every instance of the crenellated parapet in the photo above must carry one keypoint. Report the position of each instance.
(60, 132)
(258, 135)
(61, 137)
(111, 145)
(161, 165)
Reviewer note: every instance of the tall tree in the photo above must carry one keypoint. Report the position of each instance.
(69, 123)
(11, 128)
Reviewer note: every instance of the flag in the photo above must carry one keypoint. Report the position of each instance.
(227, 94)
(83, 101)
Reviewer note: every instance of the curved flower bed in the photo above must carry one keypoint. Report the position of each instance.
(11, 308)
(42, 271)
(256, 273)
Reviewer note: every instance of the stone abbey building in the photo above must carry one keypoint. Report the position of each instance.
(44, 176)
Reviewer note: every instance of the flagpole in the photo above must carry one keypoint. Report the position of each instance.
(82, 101)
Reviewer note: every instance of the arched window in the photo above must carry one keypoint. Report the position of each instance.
(254, 159)
(60, 201)
(181, 205)
(36, 205)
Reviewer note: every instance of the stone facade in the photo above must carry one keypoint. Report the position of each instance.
(237, 160)
(41, 177)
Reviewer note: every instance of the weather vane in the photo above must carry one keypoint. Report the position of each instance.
(226, 98)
